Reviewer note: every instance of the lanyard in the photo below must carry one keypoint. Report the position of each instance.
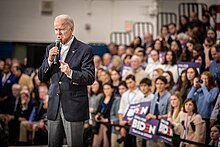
(187, 124)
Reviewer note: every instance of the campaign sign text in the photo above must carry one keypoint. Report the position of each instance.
(139, 108)
(142, 128)
(165, 127)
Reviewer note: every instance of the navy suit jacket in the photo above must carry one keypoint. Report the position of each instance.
(70, 93)
(5, 89)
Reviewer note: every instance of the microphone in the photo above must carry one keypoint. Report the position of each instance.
(56, 57)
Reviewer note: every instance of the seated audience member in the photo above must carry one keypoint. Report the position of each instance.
(116, 63)
(121, 50)
(176, 48)
(171, 86)
(136, 69)
(24, 110)
(142, 55)
(214, 135)
(148, 40)
(103, 117)
(170, 64)
(23, 78)
(116, 79)
(105, 77)
(107, 59)
(115, 134)
(182, 83)
(9, 107)
(192, 126)
(191, 73)
(172, 32)
(126, 64)
(137, 42)
(95, 95)
(7, 79)
(155, 64)
(38, 114)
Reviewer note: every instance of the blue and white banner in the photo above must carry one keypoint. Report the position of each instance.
(142, 128)
(184, 65)
(142, 108)
(165, 128)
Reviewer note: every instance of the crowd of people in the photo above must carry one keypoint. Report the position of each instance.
(145, 71)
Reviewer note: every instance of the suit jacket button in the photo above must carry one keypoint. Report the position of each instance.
(60, 82)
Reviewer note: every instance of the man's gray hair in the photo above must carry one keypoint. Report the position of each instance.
(69, 21)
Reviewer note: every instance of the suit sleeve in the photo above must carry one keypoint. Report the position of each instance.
(44, 72)
(87, 74)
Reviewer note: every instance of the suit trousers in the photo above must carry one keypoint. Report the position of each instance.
(60, 127)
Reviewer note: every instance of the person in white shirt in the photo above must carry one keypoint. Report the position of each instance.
(132, 96)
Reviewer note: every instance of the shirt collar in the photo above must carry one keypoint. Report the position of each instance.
(70, 42)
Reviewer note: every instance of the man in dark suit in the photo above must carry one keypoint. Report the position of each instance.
(68, 99)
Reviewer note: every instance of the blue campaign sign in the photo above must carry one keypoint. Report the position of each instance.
(143, 128)
(139, 108)
(184, 65)
(165, 128)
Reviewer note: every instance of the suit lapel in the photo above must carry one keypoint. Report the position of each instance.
(71, 53)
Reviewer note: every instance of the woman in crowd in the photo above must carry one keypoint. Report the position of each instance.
(176, 48)
(191, 73)
(96, 93)
(126, 64)
(105, 77)
(164, 33)
(200, 59)
(137, 42)
(182, 83)
(116, 79)
(212, 34)
(214, 135)
(174, 115)
(204, 91)
(171, 86)
(116, 63)
(154, 64)
(192, 126)
(102, 117)
(115, 135)
(183, 22)
(170, 64)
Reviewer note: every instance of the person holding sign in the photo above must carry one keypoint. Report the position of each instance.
(132, 96)
(159, 105)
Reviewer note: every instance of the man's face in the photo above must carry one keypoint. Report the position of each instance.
(63, 30)
(135, 62)
(215, 54)
(144, 88)
(42, 92)
(160, 86)
(130, 84)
